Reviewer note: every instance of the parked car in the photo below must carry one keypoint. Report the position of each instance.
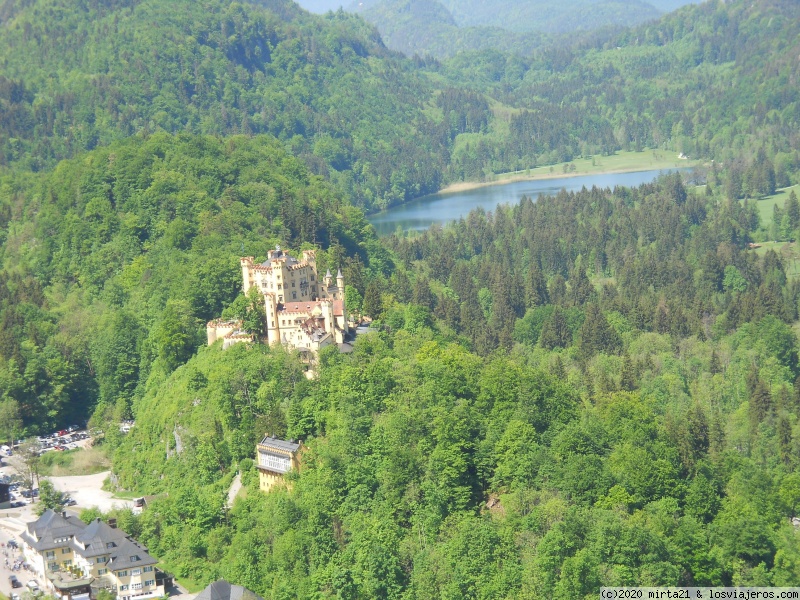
(33, 585)
(14, 596)
(15, 583)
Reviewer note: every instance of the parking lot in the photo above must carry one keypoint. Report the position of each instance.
(10, 464)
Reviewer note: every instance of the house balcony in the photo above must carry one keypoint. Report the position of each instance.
(70, 583)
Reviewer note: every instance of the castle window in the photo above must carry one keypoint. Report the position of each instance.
(293, 284)
(312, 277)
(279, 286)
(294, 295)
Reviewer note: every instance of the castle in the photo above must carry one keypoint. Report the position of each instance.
(303, 312)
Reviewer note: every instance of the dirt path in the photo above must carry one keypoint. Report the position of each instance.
(236, 485)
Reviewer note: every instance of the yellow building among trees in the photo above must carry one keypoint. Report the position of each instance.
(275, 458)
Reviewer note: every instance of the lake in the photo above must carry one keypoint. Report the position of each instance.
(443, 208)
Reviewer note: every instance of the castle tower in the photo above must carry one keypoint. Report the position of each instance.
(340, 284)
(247, 274)
(273, 328)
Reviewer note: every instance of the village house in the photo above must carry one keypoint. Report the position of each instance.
(303, 312)
(275, 458)
(76, 561)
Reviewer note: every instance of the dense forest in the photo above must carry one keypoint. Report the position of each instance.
(594, 388)
(427, 28)
(713, 81)
(115, 261)
(79, 75)
(521, 17)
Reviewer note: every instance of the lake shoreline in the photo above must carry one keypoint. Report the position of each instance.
(466, 186)
(442, 208)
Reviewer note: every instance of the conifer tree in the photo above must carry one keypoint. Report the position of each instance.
(760, 404)
(536, 293)
(581, 289)
(792, 209)
(422, 294)
(627, 380)
(596, 335)
(558, 370)
(555, 331)
(715, 366)
(785, 441)
(558, 290)
(697, 433)
(373, 302)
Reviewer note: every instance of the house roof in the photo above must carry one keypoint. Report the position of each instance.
(222, 590)
(129, 554)
(42, 533)
(277, 444)
(95, 539)
(99, 538)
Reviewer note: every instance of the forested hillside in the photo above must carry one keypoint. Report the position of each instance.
(641, 429)
(427, 28)
(113, 263)
(79, 75)
(715, 80)
(382, 128)
(521, 17)
(597, 388)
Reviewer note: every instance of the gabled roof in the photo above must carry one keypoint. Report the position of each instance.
(94, 539)
(277, 444)
(222, 590)
(129, 554)
(42, 533)
(99, 538)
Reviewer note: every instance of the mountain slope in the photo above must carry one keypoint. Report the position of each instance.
(426, 27)
(715, 80)
(80, 75)
(545, 15)
(113, 262)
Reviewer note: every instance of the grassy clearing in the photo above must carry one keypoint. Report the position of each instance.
(789, 253)
(81, 461)
(646, 160)
(766, 205)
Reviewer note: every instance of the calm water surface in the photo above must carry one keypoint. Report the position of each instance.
(443, 208)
